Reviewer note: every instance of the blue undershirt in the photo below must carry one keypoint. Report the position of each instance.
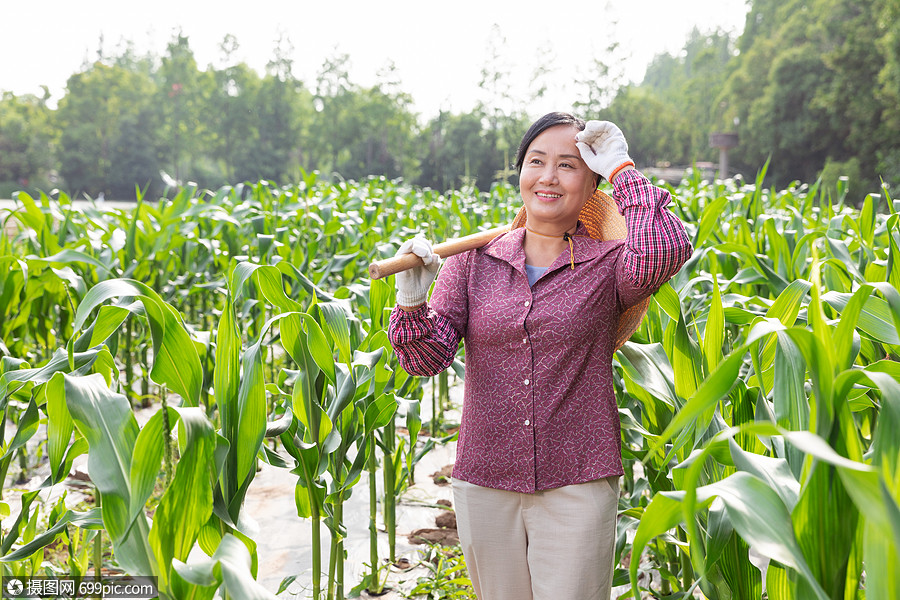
(534, 273)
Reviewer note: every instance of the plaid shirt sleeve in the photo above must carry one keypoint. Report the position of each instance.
(425, 342)
(657, 244)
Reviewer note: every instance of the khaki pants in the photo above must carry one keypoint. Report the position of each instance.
(556, 544)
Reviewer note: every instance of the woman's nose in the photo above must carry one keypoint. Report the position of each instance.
(548, 174)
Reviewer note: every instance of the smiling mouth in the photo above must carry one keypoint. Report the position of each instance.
(548, 195)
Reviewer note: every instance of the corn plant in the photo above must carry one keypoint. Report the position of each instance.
(767, 411)
(757, 399)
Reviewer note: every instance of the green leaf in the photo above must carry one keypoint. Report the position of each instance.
(176, 362)
(109, 318)
(649, 367)
(149, 448)
(761, 518)
(107, 423)
(26, 427)
(230, 566)
(710, 220)
(787, 306)
(714, 335)
(319, 348)
(668, 300)
(662, 514)
(338, 327)
(226, 375)
(773, 471)
(715, 387)
(380, 412)
(875, 318)
(88, 520)
(686, 361)
(70, 256)
(881, 558)
(186, 505)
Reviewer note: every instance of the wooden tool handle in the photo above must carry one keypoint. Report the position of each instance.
(389, 266)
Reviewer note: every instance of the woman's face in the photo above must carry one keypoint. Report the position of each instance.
(555, 183)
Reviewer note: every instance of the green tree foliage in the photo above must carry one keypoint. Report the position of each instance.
(657, 131)
(361, 131)
(457, 146)
(25, 139)
(182, 96)
(810, 85)
(282, 105)
(100, 120)
(669, 117)
(232, 105)
(888, 90)
(807, 84)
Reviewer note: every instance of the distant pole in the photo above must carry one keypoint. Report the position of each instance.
(724, 142)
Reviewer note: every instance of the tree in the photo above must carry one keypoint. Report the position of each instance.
(462, 151)
(91, 115)
(357, 131)
(26, 139)
(804, 86)
(669, 117)
(657, 131)
(231, 118)
(182, 98)
(282, 105)
(332, 101)
(888, 91)
(134, 161)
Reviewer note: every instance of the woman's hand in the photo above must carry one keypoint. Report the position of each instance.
(603, 148)
(412, 284)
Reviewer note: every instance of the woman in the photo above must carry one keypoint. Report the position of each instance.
(535, 482)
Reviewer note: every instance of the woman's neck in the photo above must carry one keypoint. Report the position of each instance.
(544, 243)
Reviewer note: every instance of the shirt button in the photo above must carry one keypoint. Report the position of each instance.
(527, 303)
(527, 381)
(527, 422)
(525, 340)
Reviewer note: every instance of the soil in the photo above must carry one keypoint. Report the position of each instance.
(442, 476)
(284, 540)
(444, 537)
(446, 520)
(444, 534)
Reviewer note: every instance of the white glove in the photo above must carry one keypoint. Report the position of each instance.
(603, 147)
(413, 284)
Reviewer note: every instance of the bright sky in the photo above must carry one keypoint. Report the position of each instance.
(439, 48)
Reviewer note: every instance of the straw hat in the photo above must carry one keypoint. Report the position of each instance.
(603, 221)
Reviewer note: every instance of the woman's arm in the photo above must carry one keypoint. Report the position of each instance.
(656, 246)
(426, 340)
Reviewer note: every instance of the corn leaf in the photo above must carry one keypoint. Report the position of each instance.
(186, 505)
(231, 566)
(759, 515)
(107, 423)
(176, 362)
(714, 335)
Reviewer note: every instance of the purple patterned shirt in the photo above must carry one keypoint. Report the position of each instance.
(539, 409)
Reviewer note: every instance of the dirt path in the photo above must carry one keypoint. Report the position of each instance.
(284, 540)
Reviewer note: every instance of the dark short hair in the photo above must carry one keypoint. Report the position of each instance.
(538, 127)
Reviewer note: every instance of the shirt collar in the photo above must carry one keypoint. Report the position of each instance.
(509, 248)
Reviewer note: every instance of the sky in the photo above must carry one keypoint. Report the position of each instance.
(438, 49)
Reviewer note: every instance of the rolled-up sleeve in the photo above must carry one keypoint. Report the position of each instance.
(657, 244)
(426, 339)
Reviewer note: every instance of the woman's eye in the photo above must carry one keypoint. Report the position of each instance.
(567, 165)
